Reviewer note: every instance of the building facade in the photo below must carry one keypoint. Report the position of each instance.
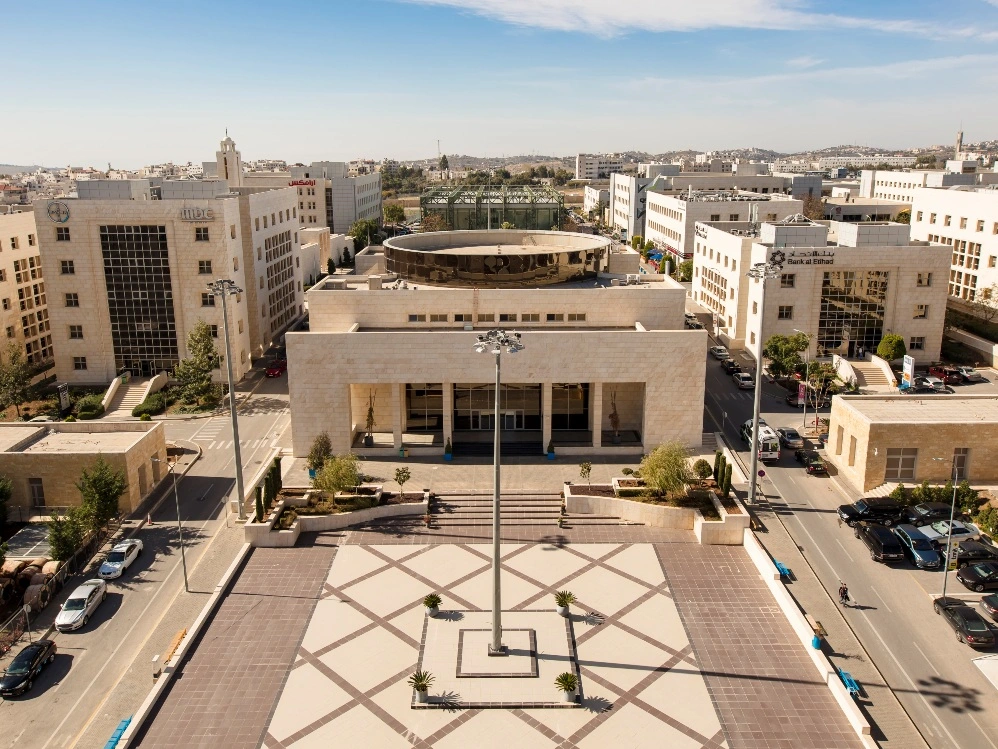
(628, 198)
(24, 317)
(901, 186)
(597, 166)
(595, 198)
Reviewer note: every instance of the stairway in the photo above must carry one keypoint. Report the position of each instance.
(476, 511)
(869, 377)
(482, 449)
(128, 396)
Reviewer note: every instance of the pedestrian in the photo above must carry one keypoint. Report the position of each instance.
(843, 593)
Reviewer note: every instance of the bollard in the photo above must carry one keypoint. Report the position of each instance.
(157, 668)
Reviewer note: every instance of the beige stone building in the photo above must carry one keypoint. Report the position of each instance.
(401, 342)
(23, 298)
(44, 461)
(874, 439)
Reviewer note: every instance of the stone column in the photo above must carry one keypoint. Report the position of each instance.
(545, 415)
(596, 412)
(448, 413)
(398, 399)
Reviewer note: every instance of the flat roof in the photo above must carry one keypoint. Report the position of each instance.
(930, 409)
(359, 283)
(13, 435)
(85, 442)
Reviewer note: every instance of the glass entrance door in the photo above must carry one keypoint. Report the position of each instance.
(485, 420)
(511, 419)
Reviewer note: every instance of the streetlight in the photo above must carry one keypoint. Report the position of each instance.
(493, 341)
(180, 526)
(760, 272)
(949, 534)
(226, 288)
(807, 361)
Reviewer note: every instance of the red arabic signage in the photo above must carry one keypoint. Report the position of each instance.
(302, 183)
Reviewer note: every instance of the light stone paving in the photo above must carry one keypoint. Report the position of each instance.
(640, 682)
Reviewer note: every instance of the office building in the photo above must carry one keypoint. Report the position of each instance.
(627, 204)
(595, 197)
(597, 166)
(24, 317)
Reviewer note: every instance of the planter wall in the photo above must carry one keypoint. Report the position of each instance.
(656, 516)
(263, 534)
(728, 531)
(314, 523)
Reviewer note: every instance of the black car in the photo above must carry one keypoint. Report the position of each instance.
(969, 552)
(731, 367)
(969, 626)
(883, 545)
(980, 576)
(990, 604)
(803, 455)
(917, 388)
(816, 467)
(22, 671)
(926, 513)
(882, 510)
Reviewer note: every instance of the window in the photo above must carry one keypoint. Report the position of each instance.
(14, 244)
(507, 317)
(992, 260)
(900, 463)
(235, 263)
(10, 331)
(232, 231)
(417, 318)
(733, 217)
(31, 240)
(921, 311)
(924, 279)
(79, 363)
(462, 317)
(207, 299)
(963, 223)
(214, 331)
(932, 218)
(256, 224)
(62, 234)
(201, 234)
(72, 300)
(37, 492)
(715, 217)
(261, 282)
(752, 338)
(755, 308)
(204, 267)
(555, 317)
(786, 312)
(530, 317)
(852, 450)
(487, 317)
(980, 226)
(76, 332)
(788, 280)
(6, 304)
(917, 343)
(960, 457)
(918, 216)
(67, 267)
(576, 316)
(438, 318)
(947, 220)
(239, 327)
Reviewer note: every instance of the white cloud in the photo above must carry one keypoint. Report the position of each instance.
(603, 18)
(804, 62)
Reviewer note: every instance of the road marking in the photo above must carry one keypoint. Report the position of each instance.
(845, 550)
(982, 731)
(884, 602)
(915, 644)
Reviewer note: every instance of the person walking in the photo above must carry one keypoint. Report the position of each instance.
(843, 593)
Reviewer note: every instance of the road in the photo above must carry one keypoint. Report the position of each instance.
(953, 705)
(102, 672)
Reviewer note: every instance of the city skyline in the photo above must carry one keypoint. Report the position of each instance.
(391, 77)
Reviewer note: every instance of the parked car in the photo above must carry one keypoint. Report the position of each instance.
(811, 400)
(917, 547)
(883, 545)
(933, 382)
(277, 367)
(980, 576)
(949, 375)
(22, 671)
(718, 352)
(804, 455)
(80, 605)
(120, 559)
(969, 374)
(990, 604)
(969, 626)
(917, 388)
(694, 325)
(743, 380)
(790, 437)
(816, 466)
(730, 366)
(969, 552)
(926, 513)
(938, 531)
(877, 509)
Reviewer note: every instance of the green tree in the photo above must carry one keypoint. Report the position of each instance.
(101, 487)
(258, 503)
(444, 164)
(330, 266)
(394, 213)
(585, 470)
(402, 475)
(784, 352)
(6, 492)
(726, 481)
(985, 303)
(507, 225)
(15, 377)
(666, 469)
(337, 474)
(345, 258)
(684, 271)
(904, 216)
(364, 233)
(814, 207)
(718, 457)
(891, 347)
(899, 494)
(66, 533)
(702, 469)
(321, 449)
(434, 222)
(194, 372)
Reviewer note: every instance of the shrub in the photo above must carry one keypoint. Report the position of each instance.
(627, 471)
(337, 474)
(421, 681)
(666, 469)
(154, 404)
(891, 347)
(899, 493)
(987, 519)
(567, 682)
(726, 486)
(321, 450)
(89, 407)
(432, 600)
(145, 417)
(967, 498)
(702, 469)
(259, 504)
(718, 457)
(564, 598)
(70, 418)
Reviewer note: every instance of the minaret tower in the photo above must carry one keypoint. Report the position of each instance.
(230, 162)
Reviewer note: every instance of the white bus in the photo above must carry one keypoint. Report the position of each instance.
(769, 440)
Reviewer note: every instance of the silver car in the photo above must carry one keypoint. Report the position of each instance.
(120, 558)
(80, 605)
(790, 437)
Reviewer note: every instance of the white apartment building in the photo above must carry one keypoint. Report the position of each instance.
(24, 316)
(597, 166)
(966, 220)
(848, 207)
(831, 162)
(594, 196)
(846, 284)
(129, 276)
(627, 204)
(671, 217)
(901, 186)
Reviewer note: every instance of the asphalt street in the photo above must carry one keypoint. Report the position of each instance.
(931, 673)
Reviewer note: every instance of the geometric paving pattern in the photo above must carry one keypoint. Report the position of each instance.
(641, 685)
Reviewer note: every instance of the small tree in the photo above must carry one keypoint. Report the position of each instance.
(703, 470)
(899, 493)
(337, 474)
(726, 487)
(814, 207)
(100, 488)
(402, 475)
(15, 377)
(364, 232)
(259, 503)
(666, 469)
(322, 448)
(585, 469)
(967, 498)
(684, 270)
(369, 422)
(66, 533)
(891, 347)
(434, 222)
(904, 216)
(784, 352)
(345, 257)
(985, 303)
(443, 164)
(194, 373)
(718, 457)
(330, 266)
(394, 213)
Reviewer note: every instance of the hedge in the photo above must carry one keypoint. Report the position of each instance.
(89, 407)
(154, 404)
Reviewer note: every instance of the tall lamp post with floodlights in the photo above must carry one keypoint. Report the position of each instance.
(494, 341)
(760, 272)
(180, 525)
(949, 534)
(225, 288)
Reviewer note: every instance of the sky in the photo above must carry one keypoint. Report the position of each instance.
(133, 83)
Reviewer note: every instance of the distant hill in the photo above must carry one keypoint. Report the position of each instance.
(14, 168)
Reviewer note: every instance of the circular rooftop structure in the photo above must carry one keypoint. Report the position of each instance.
(496, 258)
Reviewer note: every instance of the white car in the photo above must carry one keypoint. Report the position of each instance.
(718, 352)
(938, 531)
(120, 558)
(80, 605)
(743, 380)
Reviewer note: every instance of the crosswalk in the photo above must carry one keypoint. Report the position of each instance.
(209, 432)
(737, 395)
(244, 444)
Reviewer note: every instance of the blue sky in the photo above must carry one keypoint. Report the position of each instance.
(132, 83)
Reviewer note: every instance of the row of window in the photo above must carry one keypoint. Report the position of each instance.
(948, 221)
(15, 242)
(503, 317)
(274, 217)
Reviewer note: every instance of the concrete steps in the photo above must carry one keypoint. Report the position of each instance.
(126, 398)
(868, 375)
(477, 511)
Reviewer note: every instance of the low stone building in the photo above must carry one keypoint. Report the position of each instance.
(45, 461)
(875, 439)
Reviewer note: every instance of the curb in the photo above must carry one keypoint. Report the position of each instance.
(142, 523)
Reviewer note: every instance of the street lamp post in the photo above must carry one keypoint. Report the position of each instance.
(949, 534)
(493, 342)
(226, 288)
(807, 362)
(180, 525)
(760, 272)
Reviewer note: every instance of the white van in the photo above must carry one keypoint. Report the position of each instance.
(769, 440)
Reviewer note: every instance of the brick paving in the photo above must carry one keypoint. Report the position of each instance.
(225, 693)
(764, 686)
